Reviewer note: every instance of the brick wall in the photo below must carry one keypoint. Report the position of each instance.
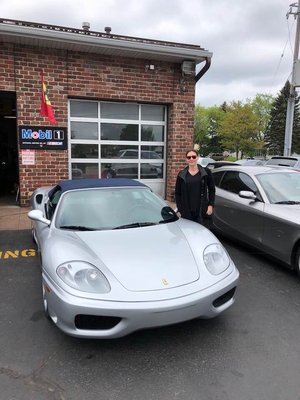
(97, 77)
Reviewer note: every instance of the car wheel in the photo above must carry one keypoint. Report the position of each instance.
(297, 261)
(45, 302)
(33, 236)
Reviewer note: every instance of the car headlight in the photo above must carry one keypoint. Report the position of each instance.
(83, 276)
(216, 259)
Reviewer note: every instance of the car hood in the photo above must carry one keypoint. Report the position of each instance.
(143, 259)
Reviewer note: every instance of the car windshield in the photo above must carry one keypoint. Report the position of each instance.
(205, 160)
(112, 208)
(288, 162)
(281, 188)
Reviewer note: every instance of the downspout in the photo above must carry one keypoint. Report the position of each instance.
(204, 69)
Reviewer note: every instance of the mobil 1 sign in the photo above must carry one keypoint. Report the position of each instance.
(43, 137)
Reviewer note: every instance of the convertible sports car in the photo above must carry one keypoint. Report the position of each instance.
(116, 258)
(260, 206)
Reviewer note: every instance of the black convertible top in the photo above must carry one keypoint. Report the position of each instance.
(74, 184)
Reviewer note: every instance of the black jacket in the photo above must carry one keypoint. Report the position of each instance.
(207, 192)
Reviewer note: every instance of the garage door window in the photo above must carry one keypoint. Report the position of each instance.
(119, 139)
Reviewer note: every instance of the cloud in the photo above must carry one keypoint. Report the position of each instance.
(252, 42)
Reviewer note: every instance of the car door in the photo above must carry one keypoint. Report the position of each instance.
(236, 216)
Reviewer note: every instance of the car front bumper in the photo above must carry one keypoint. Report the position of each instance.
(68, 311)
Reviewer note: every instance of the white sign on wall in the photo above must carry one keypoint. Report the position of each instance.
(28, 157)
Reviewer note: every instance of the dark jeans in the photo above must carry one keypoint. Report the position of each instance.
(203, 220)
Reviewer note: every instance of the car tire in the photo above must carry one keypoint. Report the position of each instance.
(33, 236)
(45, 302)
(297, 262)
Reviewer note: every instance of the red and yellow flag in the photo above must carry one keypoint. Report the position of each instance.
(46, 107)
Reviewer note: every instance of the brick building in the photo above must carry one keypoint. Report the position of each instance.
(122, 104)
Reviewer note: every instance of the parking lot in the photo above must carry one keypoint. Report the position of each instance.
(251, 352)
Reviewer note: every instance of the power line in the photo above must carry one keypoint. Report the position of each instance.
(288, 41)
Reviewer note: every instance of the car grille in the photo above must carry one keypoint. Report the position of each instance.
(224, 298)
(95, 322)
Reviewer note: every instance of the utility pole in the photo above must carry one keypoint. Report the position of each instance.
(291, 100)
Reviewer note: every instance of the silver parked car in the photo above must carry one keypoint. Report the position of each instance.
(204, 161)
(260, 206)
(115, 258)
(285, 161)
(250, 161)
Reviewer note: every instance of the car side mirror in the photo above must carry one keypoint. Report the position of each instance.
(39, 198)
(37, 215)
(247, 194)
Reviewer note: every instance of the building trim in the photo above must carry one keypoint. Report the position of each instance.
(43, 35)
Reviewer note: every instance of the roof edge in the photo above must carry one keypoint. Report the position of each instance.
(12, 29)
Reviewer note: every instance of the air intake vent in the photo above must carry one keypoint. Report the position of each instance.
(188, 68)
(95, 322)
(86, 26)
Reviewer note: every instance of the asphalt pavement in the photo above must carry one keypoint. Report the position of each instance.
(251, 352)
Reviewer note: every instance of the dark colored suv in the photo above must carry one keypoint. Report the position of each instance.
(216, 156)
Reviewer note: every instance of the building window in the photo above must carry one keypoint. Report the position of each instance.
(120, 132)
(119, 111)
(152, 113)
(84, 130)
(152, 133)
(84, 109)
(117, 139)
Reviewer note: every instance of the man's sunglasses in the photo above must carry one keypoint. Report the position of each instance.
(193, 157)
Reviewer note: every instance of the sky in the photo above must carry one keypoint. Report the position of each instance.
(252, 41)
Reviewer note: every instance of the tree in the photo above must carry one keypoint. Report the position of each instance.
(210, 123)
(206, 133)
(275, 132)
(240, 128)
(262, 106)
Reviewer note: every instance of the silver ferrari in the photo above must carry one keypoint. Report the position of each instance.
(116, 258)
(260, 206)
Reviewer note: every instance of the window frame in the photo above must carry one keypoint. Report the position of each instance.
(101, 161)
(237, 173)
